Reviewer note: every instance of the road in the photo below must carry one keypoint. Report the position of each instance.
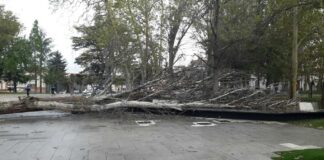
(52, 136)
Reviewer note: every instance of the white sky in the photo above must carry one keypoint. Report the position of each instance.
(59, 26)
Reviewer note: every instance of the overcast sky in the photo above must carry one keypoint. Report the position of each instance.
(59, 26)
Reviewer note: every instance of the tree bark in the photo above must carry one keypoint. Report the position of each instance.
(209, 53)
(145, 56)
(294, 60)
(36, 80)
(40, 78)
(171, 40)
(15, 86)
(322, 93)
(214, 27)
(160, 56)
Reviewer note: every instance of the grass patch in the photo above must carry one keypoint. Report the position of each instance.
(306, 98)
(312, 123)
(309, 154)
(316, 98)
(313, 99)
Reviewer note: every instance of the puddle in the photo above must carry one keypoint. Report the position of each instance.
(203, 124)
(145, 123)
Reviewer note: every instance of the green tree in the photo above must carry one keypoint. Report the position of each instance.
(108, 47)
(17, 61)
(56, 70)
(9, 28)
(41, 46)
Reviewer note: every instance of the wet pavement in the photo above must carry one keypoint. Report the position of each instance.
(32, 115)
(58, 136)
(15, 97)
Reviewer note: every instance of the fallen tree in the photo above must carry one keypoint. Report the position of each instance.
(187, 89)
(38, 104)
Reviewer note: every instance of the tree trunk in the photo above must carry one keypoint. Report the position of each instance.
(178, 29)
(40, 83)
(36, 80)
(257, 85)
(160, 56)
(311, 90)
(294, 57)
(210, 60)
(171, 61)
(308, 84)
(40, 76)
(145, 56)
(15, 86)
(214, 26)
(128, 78)
(171, 48)
(294, 60)
(322, 94)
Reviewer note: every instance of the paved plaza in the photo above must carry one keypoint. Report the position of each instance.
(50, 135)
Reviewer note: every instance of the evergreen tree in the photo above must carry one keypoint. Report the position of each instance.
(56, 70)
(41, 46)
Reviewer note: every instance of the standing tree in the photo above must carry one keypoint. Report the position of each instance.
(181, 15)
(56, 73)
(17, 61)
(9, 28)
(108, 48)
(41, 46)
(294, 55)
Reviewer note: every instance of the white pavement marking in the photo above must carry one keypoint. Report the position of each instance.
(145, 123)
(298, 147)
(203, 124)
(219, 120)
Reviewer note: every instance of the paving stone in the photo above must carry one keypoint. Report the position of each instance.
(99, 136)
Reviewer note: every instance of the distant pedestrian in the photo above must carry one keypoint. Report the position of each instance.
(53, 91)
(28, 87)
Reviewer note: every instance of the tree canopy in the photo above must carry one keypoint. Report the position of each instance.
(41, 47)
(23, 59)
(9, 29)
(56, 70)
(17, 61)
